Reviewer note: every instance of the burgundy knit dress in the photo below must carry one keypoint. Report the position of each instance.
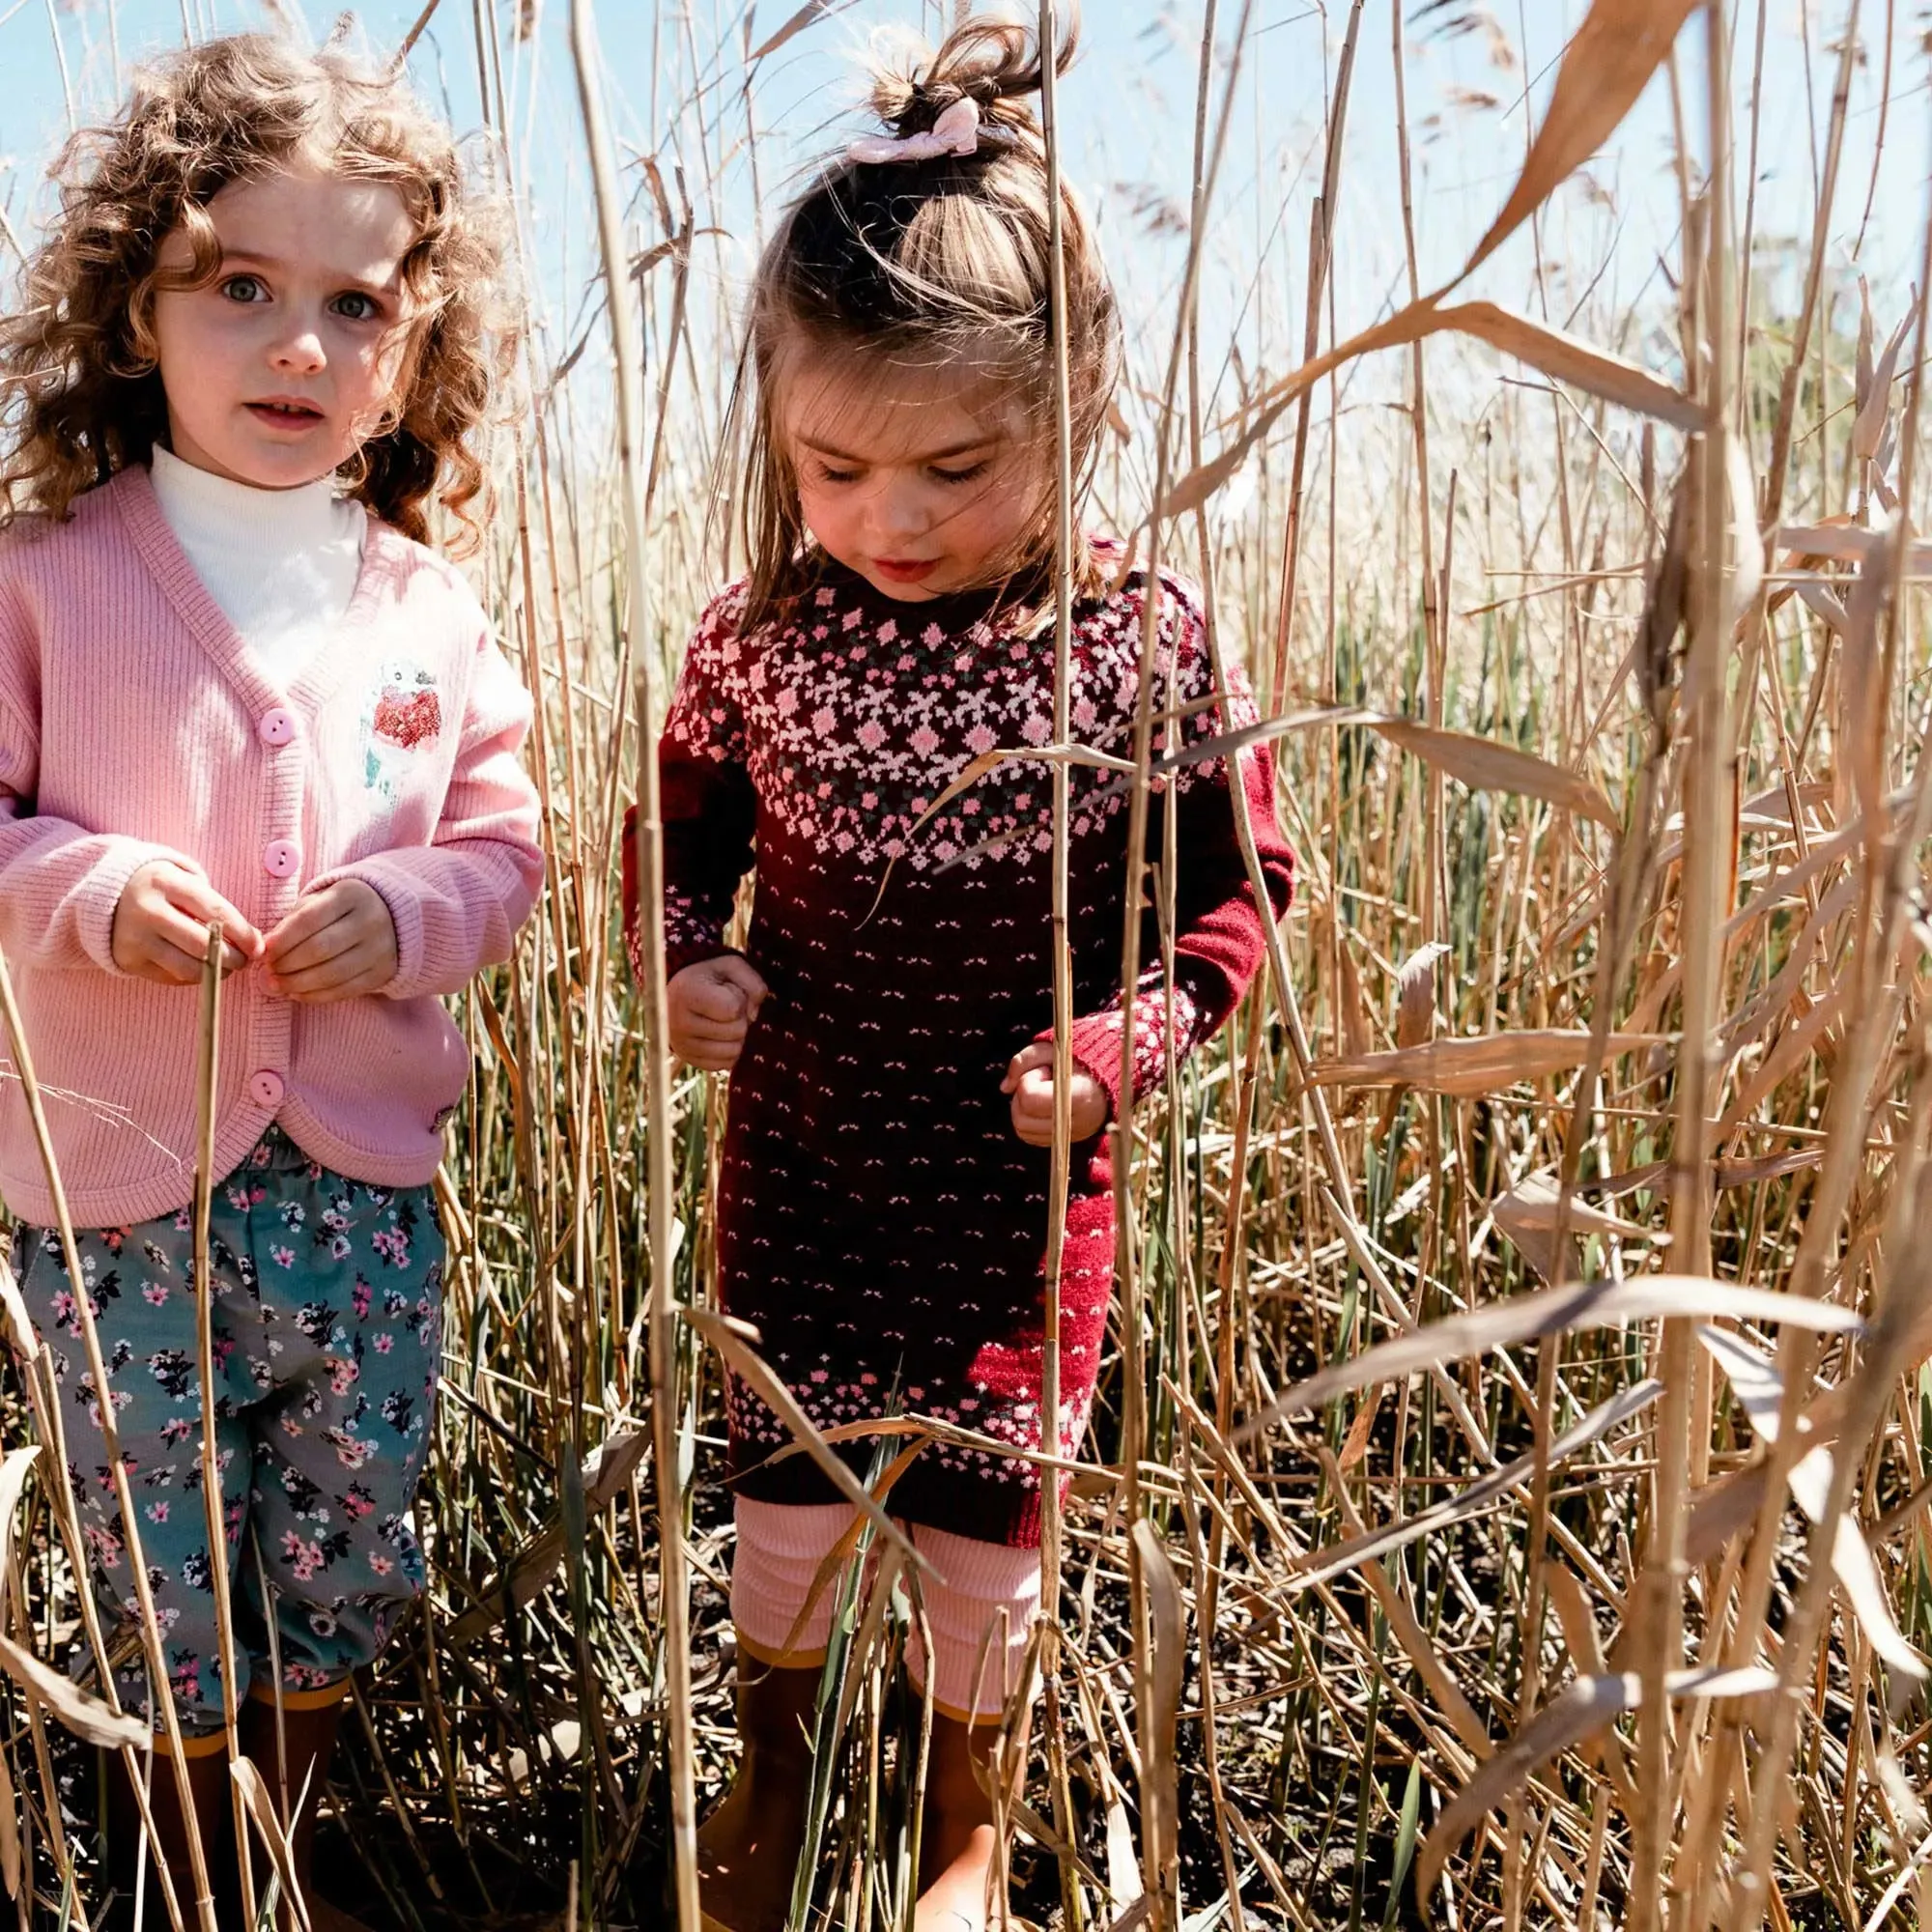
(878, 1220)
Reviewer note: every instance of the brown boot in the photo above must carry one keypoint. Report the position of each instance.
(293, 1744)
(208, 1785)
(748, 1849)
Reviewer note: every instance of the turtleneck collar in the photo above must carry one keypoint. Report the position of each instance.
(283, 522)
(282, 564)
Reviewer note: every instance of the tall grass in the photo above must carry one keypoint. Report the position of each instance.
(1506, 1493)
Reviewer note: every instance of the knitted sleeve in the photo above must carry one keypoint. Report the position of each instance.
(60, 882)
(705, 794)
(1219, 941)
(459, 901)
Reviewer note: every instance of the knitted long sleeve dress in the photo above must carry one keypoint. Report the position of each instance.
(878, 1220)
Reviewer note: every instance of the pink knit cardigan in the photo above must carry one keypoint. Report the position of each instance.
(136, 724)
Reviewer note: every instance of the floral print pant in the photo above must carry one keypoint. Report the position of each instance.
(328, 1331)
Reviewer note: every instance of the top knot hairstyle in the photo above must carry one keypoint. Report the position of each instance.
(942, 260)
(81, 390)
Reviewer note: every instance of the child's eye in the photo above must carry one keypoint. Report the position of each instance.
(828, 474)
(243, 289)
(352, 305)
(965, 476)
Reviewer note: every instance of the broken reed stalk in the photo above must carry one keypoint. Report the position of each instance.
(1059, 1185)
(674, 1597)
(214, 1511)
(1436, 614)
(161, 1685)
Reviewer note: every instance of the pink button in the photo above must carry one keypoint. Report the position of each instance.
(277, 727)
(280, 858)
(267, 1089)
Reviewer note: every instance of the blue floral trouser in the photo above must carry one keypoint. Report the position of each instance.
(327, 1330)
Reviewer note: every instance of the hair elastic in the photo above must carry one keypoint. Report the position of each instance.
(956, 132)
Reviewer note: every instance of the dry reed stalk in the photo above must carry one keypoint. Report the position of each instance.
(674, 1597)
(161, 1685)
(1685, 1421)
(1756, 1581)
(1051, 1553)
(1162, 1882)
(207, 1063)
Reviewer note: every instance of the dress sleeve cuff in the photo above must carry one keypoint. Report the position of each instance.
(1096, 1040)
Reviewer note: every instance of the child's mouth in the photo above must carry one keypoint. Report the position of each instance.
(905, 570)
(286, 415)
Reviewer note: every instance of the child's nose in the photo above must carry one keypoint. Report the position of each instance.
(900, 513)
(300, 349)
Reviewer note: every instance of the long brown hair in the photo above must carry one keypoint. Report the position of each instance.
(81, 390)
(945, 262)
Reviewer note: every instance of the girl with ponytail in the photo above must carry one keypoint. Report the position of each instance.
(889, 1024)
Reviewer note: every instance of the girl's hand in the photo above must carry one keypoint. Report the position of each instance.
(712, 1007)
(338, 944)
(161, 921)
(1030, 1081)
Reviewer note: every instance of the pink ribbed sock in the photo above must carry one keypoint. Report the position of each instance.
(780, 1548)
(985, 1598)
(983, 1595)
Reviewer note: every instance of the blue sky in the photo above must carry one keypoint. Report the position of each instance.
(1129, 107)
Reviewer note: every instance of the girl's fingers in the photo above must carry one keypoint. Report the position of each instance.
(715, 1000)
(311, 916)
(370, 982)
(300, 953)
(362, 967)
(168, 964)
(192, 895)
(746, 978)
(701, 1035)
(1039, 1053)
(725, 1032)
(182, 943)
(1034, 1091)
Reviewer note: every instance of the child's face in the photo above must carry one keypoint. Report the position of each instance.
(923, 481)
(280, 369)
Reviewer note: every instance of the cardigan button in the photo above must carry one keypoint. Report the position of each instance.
(267, 1089)
(280, 858)
(276, 728)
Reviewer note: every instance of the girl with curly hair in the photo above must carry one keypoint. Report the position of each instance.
(238, 691)
(883, 1206)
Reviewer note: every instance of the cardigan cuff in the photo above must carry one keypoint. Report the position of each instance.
(97, 899)
(406, 917)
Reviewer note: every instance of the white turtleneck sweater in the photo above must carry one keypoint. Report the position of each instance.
(282, 564)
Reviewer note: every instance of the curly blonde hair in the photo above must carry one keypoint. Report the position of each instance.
(80, 387)
(946, 263)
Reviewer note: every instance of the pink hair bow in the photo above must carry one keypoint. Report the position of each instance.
(956, 132)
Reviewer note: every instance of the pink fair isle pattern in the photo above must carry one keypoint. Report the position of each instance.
(878, 1220)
